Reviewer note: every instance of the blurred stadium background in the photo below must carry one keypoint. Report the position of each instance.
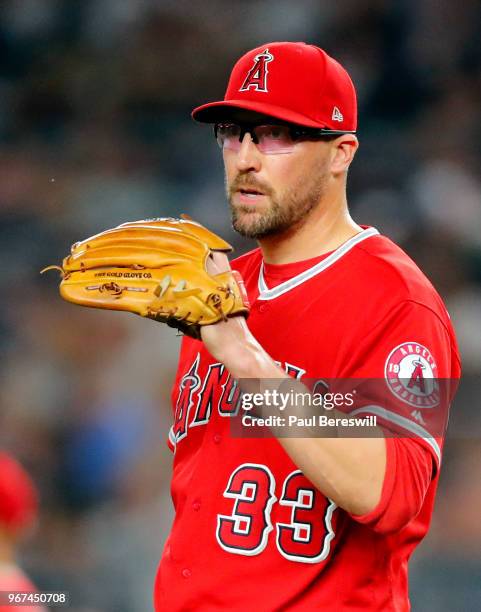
(95, 129)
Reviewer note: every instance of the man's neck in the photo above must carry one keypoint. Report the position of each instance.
(321, 232)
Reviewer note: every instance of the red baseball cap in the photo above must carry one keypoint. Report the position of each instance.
(18, 495)
(291, 81)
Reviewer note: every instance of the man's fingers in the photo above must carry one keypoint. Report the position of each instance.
(217, 263)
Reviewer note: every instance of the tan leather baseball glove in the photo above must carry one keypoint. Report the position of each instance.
(157, 268)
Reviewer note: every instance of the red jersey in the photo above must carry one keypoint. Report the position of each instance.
(250, 531)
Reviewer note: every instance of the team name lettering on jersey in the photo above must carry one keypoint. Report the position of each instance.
(199, 395)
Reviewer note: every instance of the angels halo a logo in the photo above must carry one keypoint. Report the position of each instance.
(410, 373)
(257, 75)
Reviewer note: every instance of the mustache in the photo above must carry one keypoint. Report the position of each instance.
(244, 181)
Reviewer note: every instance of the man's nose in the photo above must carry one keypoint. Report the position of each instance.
(248, 156)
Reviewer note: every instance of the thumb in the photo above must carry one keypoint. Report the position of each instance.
(217, 262)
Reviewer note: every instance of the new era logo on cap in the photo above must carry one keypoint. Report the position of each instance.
(337, 115)
(291, 81)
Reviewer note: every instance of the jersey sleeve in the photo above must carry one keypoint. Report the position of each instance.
(405, 372)
(408, 476)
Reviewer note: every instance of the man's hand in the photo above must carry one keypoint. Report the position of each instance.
(229, 342)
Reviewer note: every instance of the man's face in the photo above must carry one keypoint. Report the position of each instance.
(271, 193)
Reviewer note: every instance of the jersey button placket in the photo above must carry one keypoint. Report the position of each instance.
(217, 438)
(186, 573)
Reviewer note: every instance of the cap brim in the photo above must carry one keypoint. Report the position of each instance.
(227, 110)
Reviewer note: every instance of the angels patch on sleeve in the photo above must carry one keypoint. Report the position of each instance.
(410, 373)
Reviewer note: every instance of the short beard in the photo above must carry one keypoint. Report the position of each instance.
(283, 214)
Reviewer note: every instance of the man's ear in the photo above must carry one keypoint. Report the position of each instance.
(344, 149)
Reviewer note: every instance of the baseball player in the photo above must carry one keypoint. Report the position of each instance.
(303, 523)
(310, 518)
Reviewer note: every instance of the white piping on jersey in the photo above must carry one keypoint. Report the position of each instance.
(387, 415)
(268, 294)
(172, 439)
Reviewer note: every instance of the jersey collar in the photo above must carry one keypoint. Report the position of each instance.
(268, 294)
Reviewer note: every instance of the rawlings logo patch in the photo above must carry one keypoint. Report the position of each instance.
(410, 373)
(257, 75)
